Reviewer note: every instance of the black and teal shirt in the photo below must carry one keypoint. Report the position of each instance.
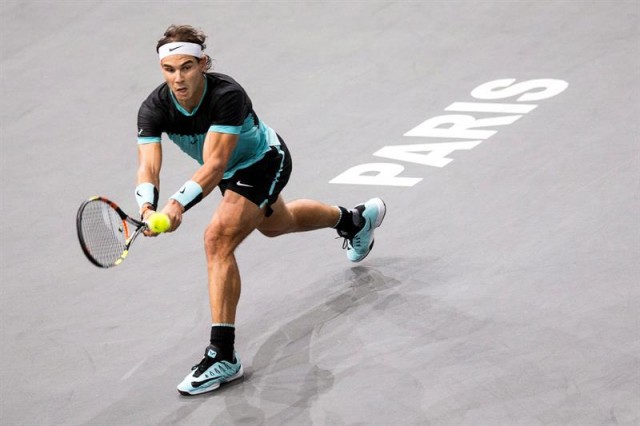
(224, 108)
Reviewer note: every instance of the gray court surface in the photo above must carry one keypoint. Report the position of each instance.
(503, 288)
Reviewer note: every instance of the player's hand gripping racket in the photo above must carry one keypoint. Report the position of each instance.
(106, 232)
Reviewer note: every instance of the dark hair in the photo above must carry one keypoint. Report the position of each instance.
(188, 34)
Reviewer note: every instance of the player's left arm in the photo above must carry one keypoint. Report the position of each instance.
(217, 150)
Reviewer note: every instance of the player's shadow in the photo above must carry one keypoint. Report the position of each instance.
(283, 370)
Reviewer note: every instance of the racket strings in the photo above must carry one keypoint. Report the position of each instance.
(104, 232)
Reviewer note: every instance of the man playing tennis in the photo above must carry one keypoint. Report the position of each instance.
(211, 118)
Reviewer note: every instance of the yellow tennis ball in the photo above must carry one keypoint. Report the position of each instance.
(158, 223)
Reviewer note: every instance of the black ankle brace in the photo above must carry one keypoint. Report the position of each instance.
(223, 337)
(350, 222)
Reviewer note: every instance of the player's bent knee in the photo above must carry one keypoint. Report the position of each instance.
(215, 241)
(210, 240)
(221, 241)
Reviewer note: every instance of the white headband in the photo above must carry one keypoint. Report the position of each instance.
(180, 48)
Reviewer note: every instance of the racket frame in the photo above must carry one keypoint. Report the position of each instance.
(140, 227)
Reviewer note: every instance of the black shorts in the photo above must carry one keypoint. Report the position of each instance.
(262, 182)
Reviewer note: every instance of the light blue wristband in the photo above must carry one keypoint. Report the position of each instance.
(147, 193)
(189, 195)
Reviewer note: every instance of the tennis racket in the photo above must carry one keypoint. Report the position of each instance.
(106, 232)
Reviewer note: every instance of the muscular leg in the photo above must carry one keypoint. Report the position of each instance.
(298, 216)
(235, 218)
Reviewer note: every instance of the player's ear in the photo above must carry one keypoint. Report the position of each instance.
(205, 63)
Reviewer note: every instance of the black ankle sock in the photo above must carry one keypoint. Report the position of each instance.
(223, 337)
(349, 223)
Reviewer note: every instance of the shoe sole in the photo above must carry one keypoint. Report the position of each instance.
(236, 376)
(382, 207)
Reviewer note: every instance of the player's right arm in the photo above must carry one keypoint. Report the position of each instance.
(149, 163)
(149, 154)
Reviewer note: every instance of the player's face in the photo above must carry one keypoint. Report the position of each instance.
(183, 74)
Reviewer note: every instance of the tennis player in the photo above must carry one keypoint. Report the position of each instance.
(211, 118)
